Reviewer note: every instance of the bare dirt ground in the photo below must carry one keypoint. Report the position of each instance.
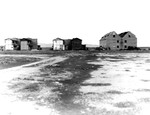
(78, 84)
(13, 78)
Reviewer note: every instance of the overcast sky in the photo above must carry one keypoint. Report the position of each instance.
(85, 19)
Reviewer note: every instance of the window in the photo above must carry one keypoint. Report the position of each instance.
(113, 35)
(117, 46)
(117, 41)
(125, 41)
(125, 46)
(129, 36)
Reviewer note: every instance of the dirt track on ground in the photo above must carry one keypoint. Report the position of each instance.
(10, 102)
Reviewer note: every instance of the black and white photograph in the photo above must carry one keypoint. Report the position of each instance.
(74, 57)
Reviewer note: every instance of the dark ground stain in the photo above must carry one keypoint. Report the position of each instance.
(126, 104)
(127, 70)
(96, 84)
(31, 87)
(144, 80)
(143, 90)
(114, 92)
(70, 88)
(132, 76)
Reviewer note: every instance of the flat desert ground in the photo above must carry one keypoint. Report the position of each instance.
(75, 83)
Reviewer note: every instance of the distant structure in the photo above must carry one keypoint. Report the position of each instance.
(68, 44)
(58, 44)
(128, 39)
(20, 44)
(76, 44)
(28, 44)
(122, 41)
(12, 44)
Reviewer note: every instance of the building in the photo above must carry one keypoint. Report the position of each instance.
(28, 44)
(76, 44)
(12, 44)
(110, 41)
(114, 41)
(128, 39)
(58, 44)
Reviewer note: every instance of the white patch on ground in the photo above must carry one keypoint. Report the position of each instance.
(130, 84)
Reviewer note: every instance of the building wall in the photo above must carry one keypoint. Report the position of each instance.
(76, 44)
(129, 40)
(103, 42)
(67, 43)
(24, 45)
(58, 44)
(111, 41)
(34, 43)
(9, 44)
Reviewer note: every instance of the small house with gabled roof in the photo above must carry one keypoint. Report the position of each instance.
(12, 44)
(58, 44)
(76, 44)
(26, 43)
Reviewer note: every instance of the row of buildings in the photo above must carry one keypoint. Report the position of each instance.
(110, 41)
(122, 41)
(32, 44)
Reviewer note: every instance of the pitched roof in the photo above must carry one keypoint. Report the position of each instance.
(26, 39)
(15, 39)
(57, 39)
(123, 34)
(76, 39)
(108, 34)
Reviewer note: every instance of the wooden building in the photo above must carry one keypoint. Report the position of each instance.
(58, 44)
(12, 44)
(25, 44)
(76, 44)
(28, 44)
